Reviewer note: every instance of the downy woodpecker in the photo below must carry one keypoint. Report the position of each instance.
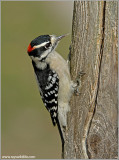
(53, 77)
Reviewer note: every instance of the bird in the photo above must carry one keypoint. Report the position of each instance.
(53, 78)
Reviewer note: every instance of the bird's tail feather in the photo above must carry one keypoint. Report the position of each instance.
(61, 136)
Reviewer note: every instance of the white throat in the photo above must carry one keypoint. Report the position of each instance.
(39, 64)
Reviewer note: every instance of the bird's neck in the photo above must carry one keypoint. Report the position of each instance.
(42, 64)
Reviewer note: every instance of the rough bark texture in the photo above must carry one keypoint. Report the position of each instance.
(92, 122)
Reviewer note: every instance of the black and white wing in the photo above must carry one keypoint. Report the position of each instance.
(48, 83)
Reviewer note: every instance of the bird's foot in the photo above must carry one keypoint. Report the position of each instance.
(77, 84)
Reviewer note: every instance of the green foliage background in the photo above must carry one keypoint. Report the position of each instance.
(26, 124)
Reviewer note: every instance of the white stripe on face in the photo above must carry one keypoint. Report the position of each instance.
(45, 53)
(40, 45)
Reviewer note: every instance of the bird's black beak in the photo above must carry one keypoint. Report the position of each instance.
(60, 37)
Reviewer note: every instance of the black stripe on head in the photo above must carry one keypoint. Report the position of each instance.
(39, 40)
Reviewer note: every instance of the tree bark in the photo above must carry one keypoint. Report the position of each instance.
(92, 121)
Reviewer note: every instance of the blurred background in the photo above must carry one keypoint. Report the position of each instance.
(26, 124)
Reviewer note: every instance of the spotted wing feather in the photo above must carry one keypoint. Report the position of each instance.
(48, 83)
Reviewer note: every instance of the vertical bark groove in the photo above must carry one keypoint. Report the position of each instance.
(92, 110)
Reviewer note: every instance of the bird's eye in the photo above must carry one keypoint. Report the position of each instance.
(47, 45)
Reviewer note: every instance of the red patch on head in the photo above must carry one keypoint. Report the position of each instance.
(29, 49)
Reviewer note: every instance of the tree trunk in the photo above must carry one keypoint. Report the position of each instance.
(92, 121)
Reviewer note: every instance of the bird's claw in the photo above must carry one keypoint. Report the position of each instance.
(78, 83)
(76, 92)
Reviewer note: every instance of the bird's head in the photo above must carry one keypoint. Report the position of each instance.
(40, 47)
